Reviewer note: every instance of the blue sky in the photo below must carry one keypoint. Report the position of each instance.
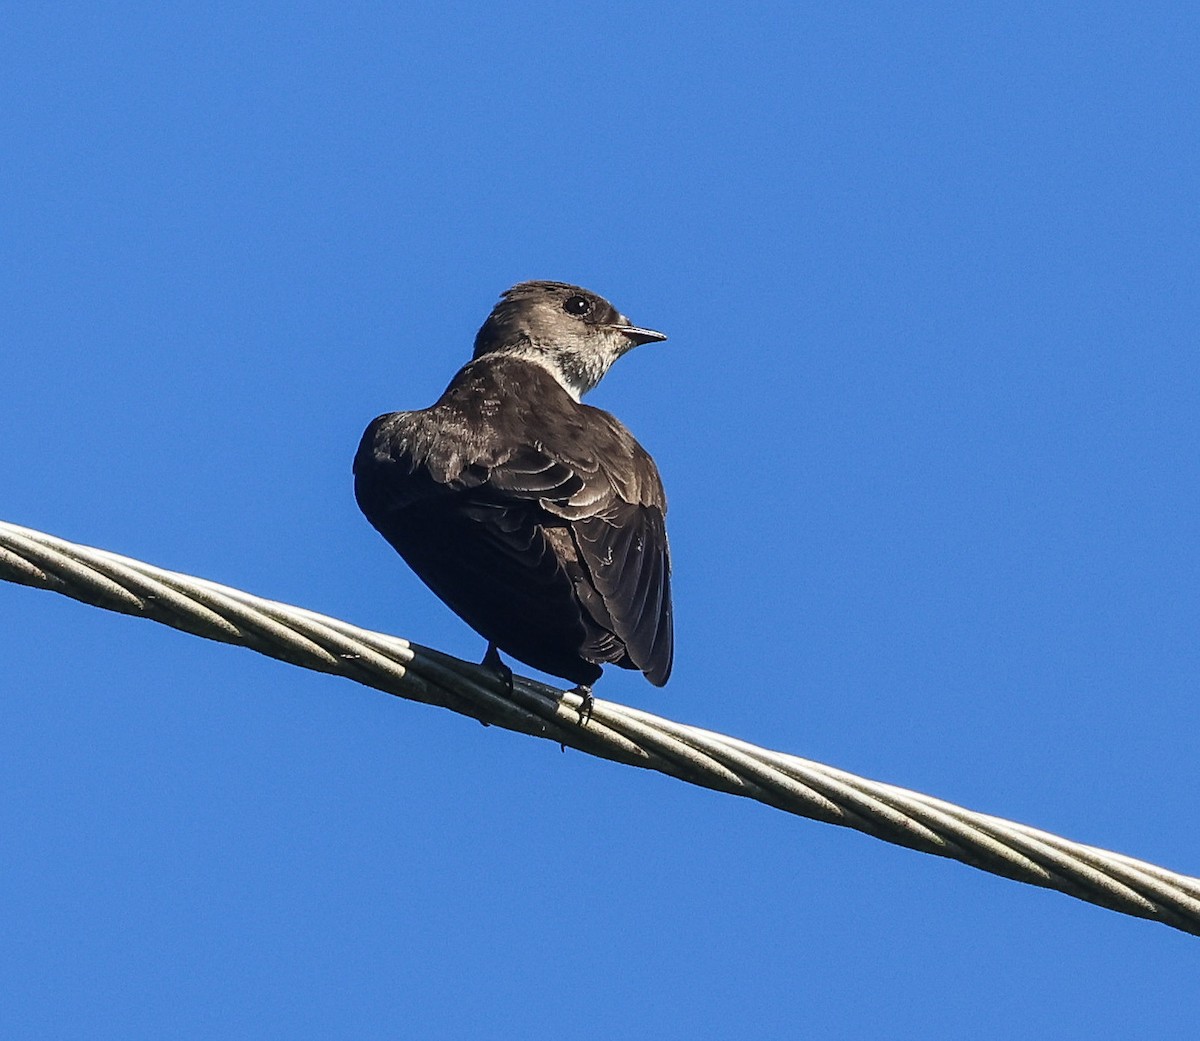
(926, 418)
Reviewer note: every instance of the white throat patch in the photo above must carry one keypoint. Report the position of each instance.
(576, 372)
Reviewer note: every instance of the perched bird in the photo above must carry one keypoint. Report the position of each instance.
(539, 520)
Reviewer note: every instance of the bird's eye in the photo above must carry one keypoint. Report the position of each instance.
(577, 305)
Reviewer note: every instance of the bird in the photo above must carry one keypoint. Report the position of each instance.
(538, 519)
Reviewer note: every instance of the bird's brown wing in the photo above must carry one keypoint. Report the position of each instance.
(485, 554)
(618, 527)
(553, 548)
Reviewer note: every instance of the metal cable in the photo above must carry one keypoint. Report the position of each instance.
(614, 731)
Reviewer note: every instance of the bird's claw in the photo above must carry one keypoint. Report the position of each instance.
(588, 700)
(493, 661)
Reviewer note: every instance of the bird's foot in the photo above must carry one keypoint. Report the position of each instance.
(493, 661)
(589, 702)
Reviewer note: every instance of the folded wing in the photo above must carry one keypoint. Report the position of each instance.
(553, 547)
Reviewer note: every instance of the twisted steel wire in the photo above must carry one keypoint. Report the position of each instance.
(616, 732)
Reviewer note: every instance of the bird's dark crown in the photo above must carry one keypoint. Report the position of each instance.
(544, 313)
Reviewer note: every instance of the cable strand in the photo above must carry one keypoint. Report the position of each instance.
(799, 786)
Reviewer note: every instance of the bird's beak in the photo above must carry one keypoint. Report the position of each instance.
(637, 334)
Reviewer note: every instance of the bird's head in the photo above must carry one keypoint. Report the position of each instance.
(572, 332)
